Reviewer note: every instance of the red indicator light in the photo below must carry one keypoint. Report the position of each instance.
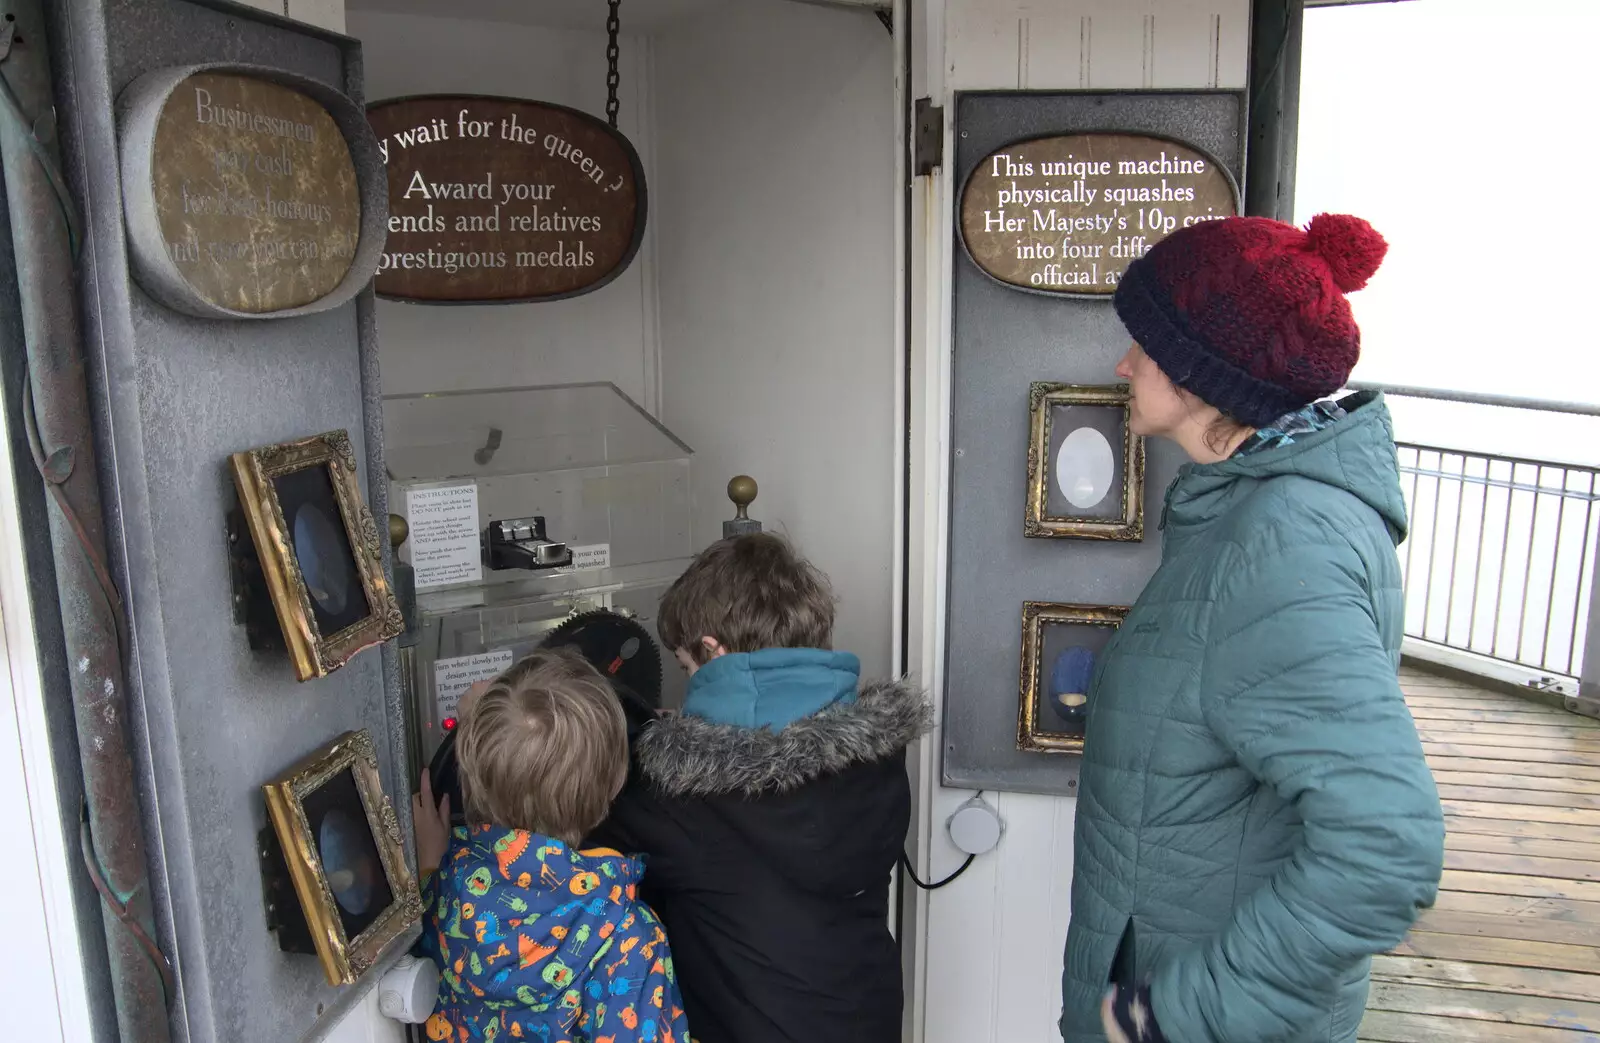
(448, 724)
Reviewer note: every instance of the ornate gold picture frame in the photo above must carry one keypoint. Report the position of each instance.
(318, 548)
(1060, 644)
(340, 845)
(1085, 464)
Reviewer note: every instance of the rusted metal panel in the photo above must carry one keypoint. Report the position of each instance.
(249, 192)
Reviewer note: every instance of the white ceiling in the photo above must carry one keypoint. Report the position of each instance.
(636, 16)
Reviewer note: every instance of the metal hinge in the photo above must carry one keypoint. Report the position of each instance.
(927, 145)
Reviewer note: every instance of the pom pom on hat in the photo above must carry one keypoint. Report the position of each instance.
(1249, 313)
(1350, 247)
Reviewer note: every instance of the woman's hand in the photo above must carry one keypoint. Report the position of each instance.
(1126, 1017)
(1108, 1019)
(433, 827)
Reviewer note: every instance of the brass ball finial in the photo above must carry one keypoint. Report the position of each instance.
(398, 531)
(742, 491)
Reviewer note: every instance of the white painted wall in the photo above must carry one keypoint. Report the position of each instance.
(767, 136)
(610, 334)
(987, 956)
(777, 203)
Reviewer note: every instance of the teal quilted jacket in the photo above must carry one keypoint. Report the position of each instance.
(1255, 819)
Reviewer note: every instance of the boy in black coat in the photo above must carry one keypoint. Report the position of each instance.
(773, 808)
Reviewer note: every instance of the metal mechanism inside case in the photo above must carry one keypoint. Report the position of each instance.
(521, 543)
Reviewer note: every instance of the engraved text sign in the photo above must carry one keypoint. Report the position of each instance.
(498, 200)
(255, 193)
(1068, 214)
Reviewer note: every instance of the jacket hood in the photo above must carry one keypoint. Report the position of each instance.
(824, 802)
(771, 688)
(527, 898)
(1355, 454)
(686, 755)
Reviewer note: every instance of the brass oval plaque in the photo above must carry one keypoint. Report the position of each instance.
(255, 193)
(1068, 214)
(500, 200)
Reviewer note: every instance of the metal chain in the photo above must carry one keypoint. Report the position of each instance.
(612, 79)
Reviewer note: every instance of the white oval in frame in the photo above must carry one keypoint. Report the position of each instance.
(1084, 467)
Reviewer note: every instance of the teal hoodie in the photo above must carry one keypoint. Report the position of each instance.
(1255, 817)
(773, 687)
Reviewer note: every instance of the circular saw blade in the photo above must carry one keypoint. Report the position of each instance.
(617, 646)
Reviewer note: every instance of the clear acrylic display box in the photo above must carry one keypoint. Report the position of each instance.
(600, 470)
(610, 482)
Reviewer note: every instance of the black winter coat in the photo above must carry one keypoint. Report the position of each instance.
(768, 856)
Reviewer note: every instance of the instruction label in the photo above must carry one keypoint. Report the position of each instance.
(452, 677)
(591, 556)
(444, 534)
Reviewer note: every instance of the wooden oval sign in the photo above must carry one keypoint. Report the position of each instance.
(1068, 214)
(498, 200)
(242, 192)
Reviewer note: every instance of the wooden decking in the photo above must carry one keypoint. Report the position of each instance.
(1511, 952)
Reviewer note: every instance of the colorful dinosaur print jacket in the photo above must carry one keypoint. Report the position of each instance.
(538, 942)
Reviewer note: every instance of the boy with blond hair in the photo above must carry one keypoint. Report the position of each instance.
(535, 938)
(773, 807)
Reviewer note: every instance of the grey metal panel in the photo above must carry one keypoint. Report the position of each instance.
(1004, 339)
(49, 638)
(175, 395)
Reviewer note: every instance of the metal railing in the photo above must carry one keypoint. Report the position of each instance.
(1500, 559)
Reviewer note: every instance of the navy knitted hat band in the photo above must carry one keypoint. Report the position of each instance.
(1248, 313)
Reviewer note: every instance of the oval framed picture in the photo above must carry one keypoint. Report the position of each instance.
(1085, 464)
(335, 862)
(1084, 468)
(318, 548)
(1061, 644)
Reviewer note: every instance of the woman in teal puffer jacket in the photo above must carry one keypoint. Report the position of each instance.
(1255, 818)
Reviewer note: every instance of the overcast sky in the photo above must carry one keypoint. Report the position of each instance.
(1465, 130)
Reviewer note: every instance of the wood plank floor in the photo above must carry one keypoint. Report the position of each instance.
(1511, 952)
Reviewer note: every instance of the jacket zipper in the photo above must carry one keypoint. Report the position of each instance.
(1166, 504)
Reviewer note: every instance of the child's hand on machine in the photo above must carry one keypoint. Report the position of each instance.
(432, 820)
(469, 699)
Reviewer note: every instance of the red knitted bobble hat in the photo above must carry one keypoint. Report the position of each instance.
(1249, 313)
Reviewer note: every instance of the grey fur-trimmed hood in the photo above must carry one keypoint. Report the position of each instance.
(693, 757)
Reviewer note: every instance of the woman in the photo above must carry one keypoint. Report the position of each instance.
(1255, 818)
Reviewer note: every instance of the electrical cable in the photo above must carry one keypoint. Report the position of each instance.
(905, 863)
